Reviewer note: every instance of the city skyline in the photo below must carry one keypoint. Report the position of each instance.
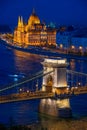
(58, 11)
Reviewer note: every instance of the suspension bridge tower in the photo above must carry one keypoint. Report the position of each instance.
(54, 81)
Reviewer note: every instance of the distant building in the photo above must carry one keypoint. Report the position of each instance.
(64, 36)
(80, 38)
(34, 32)
(79, 41)
(75, 38)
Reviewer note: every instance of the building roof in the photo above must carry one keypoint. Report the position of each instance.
(33, 19)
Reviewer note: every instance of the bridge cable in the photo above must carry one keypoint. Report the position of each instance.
(25, 81)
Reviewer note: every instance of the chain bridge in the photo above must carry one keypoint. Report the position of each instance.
(57, 82)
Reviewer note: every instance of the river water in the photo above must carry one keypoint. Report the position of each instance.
(26, 112)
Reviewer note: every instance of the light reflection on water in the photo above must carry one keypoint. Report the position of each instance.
(55, 107)
(25, 113)
(15, 62)
(27, 63)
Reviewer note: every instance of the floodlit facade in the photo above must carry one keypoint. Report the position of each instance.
(53, 80)
(34, 32)
(56, 78)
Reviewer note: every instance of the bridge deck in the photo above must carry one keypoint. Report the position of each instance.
(80, 90)
(61, 93)
(25, 96)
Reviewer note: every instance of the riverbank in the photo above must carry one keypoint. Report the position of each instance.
(48, 123)
(45, 52)
(68, 52)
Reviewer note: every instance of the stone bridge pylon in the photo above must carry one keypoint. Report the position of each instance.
(57, 78)
(51, 82)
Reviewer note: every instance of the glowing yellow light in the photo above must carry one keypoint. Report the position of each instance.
(27, 91)
(63, 103)
(20, 89)
(55, 61)
(61, 45)
(80, 47)
(73, 47)
(79, 83)
(53, 90)
(43, 88)
(49, 101)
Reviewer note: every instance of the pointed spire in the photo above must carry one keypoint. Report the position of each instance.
(33, 12)
(19, 21)
(22, 21)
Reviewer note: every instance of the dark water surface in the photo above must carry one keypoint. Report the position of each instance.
(26, 112)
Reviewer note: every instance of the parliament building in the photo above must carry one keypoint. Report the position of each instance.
(34, 33)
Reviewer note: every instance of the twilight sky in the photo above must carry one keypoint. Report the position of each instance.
(57, 11)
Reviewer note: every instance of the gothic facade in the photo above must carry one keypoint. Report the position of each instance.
(34, 33)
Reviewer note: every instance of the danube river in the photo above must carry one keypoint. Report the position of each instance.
(14, 62)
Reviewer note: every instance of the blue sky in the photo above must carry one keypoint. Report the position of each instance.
(58, 11)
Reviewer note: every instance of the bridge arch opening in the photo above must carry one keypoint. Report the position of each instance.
(49, 83)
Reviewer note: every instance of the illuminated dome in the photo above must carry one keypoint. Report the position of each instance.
(33, 19)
